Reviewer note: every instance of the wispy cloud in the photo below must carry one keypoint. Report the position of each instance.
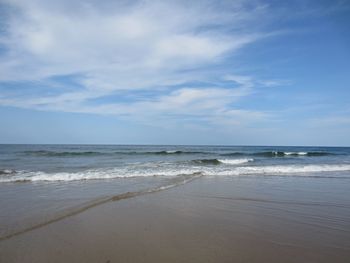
(169, 49)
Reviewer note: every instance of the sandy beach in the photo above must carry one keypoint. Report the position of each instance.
(207, 220)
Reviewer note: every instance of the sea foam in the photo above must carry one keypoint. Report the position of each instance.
(235, 161)
(221, 170)
(285, 169)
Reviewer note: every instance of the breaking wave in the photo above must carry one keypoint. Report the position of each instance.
(285, 169)
(207, 161)
(235, 161)
(222, 161)
(232, 170)
(277, 154)
(173, 152)
(7, 172)
(93, 174)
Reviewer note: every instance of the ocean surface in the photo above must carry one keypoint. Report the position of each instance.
(40, 184)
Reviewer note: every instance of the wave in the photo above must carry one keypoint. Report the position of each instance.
(62, 154)
(45, 153)
(173, 152)
(93, 174)
(235, 161)
(285, 169)
(277, 154)
(319, 153)
(233, 169)
(42, 153)
(7, 172)
(222, 161)
(281, 154)
(233, 154)
(207, 161)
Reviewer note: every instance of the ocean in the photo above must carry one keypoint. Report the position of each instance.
(40, 184)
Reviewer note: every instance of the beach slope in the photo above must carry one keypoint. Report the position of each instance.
(238, 219)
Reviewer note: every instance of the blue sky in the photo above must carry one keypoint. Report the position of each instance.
(243, 72)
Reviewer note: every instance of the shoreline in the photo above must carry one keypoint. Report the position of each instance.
(206, 220)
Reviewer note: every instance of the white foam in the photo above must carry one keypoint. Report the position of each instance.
(171, 151)
(284, 169)
(172, 171)
(95, 174)
(235, 161)
(295, 153)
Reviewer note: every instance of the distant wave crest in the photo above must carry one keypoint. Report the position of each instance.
(277, 154)
(222, 161)
(42, 153)
(62, 154)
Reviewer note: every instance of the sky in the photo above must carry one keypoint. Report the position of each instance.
(240, 72)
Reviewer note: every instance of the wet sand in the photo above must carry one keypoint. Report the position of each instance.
(243, 219)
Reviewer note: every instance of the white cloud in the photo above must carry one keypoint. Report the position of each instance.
(117, 47)
(145, 38)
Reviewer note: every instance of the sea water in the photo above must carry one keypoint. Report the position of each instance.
(43, 183)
